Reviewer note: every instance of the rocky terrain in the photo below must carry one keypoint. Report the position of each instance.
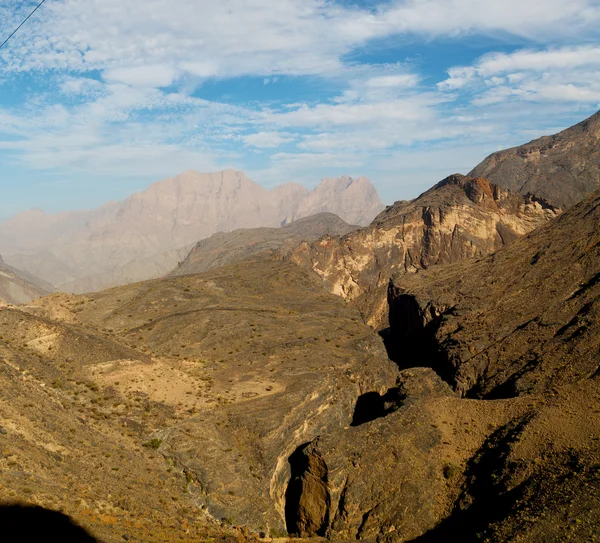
(523, 320)
(174, 402)
(17, 287)
(460, 217)
(562, 168)
(227, 248)
(178, 408)
(255, 401)
(491, 432)
(147, 234)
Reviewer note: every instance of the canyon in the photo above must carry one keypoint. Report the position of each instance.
(430, 376)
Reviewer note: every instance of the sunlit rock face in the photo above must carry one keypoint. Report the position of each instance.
(460, 217)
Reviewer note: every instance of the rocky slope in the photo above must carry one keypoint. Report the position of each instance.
(146, 233)
(522, 320)
(562, 168)
(221, 375)
(249, 394)
(517, 331)
(227, 248)
(459, 218)
(17, 287)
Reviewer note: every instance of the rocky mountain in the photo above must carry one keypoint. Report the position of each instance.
(227, 248)
(562, 168)
(490, 433)
(460, 217)
(520, 321)
(148, 233)
(17, 287)
(177, 408)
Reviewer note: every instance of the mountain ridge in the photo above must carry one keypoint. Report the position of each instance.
(562, 168)
(169, 215)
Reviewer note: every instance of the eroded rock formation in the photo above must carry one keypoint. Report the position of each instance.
(459, 218)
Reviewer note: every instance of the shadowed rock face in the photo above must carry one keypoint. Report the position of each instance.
(459, 218)
(562, 169)
(524, 319)
(227, 248)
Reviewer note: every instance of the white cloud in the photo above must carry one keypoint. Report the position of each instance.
(160, 75)
(394, 81)
(266, 140)
(152, 41)
(565, 74)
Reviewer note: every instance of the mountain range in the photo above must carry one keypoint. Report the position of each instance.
(432, 376)
(147, 234)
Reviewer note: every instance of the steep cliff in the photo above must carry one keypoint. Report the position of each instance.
(458, 218)
(522, 320)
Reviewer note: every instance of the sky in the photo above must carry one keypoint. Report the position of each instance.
(100, 98)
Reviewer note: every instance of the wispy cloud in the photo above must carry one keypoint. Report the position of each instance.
(125, 87)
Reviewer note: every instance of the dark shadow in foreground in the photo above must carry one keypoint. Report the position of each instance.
(34, 524)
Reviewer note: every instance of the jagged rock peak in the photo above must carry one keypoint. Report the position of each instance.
(459, 218)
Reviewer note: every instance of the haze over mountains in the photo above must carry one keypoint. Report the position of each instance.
(17, 287)
(147, 234)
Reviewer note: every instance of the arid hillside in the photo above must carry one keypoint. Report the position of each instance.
(563, 168)
(17, 287)
(178, 401)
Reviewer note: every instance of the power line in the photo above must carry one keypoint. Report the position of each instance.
(26, 19)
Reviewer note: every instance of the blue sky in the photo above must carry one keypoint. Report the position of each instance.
(99, 98)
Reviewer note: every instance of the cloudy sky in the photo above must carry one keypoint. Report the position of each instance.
(99, 98)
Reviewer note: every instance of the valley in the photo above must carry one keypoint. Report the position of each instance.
(429, 375)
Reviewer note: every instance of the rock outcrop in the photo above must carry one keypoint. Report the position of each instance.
(223, 248)
(562, 169)
(517, 333)
(459, 218)
(147, 234)
(522, 320)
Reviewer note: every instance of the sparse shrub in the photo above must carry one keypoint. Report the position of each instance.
(154, 443)
(450, 471)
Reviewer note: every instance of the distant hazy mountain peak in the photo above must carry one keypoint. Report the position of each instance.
(142, 236)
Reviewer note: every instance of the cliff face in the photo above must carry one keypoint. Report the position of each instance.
(562, 168)
(522, 320)
(504, 449)
(143, 236)
(459, 218)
